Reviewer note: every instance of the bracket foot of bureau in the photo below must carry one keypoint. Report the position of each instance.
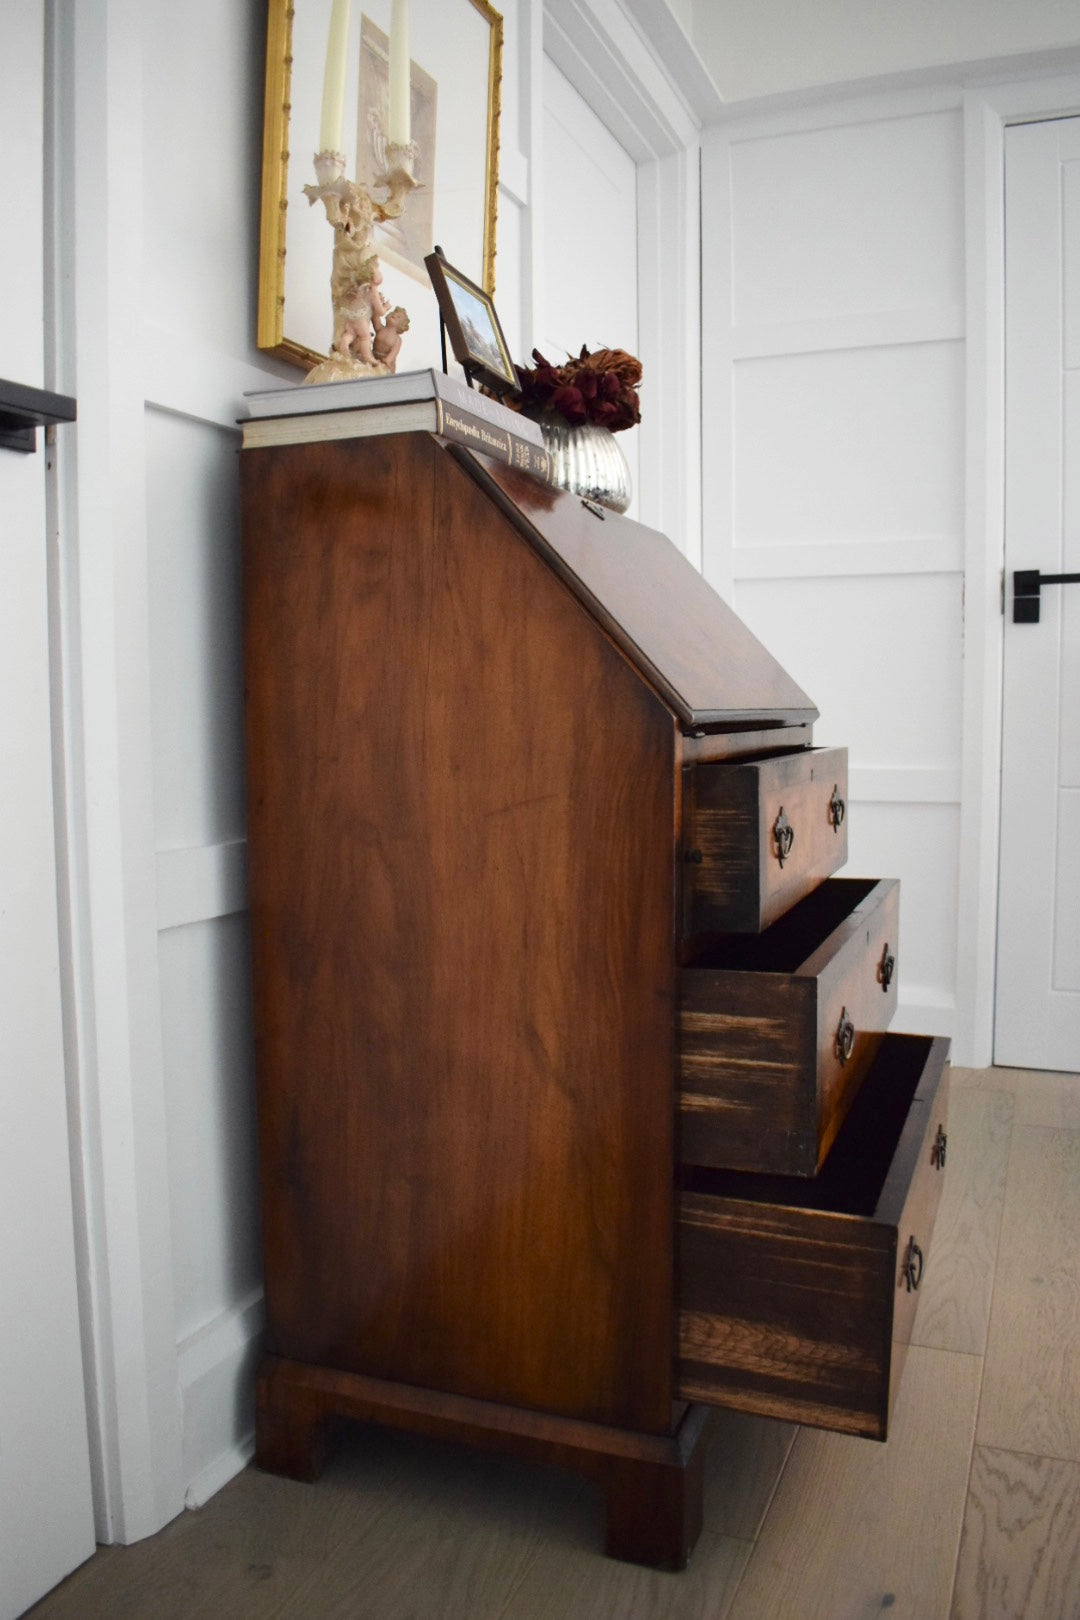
(652, 1484)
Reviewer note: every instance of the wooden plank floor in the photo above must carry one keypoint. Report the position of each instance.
(971, 1510)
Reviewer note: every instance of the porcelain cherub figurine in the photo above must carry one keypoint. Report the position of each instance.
(359, 306)
(387, 344)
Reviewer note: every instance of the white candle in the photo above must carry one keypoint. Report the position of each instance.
(399, 132)
(333, 98)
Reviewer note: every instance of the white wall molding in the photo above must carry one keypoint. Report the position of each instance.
(922, 1011)
(217, 1473)
(201, 883)
(201, 1352)
(807, 559)
(598, 45)
(669, 331)
(834, 106)
(1012, 97)
(514, 175)
(530, 24)
(113, 1014)
(903, 784)
(678, 56)
(216, 1369)
(832, 254)
(717, 363)
(195, 380)
(876, 329)
(600, 48)
(943, 83)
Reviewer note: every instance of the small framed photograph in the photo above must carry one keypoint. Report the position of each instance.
(475, 334)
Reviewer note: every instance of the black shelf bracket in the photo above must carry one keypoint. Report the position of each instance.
(23, 410)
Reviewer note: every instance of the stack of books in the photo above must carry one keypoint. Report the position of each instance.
(407, 402)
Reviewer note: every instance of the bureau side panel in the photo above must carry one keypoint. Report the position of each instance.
(462, 855)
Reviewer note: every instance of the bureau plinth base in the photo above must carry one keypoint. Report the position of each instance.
(652, 1484)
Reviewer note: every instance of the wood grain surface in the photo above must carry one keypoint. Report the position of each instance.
(835, 1529)
(733, 879)
(655, 604)
(792, 1298)
(695, 746)
(1031, 1385)
(858, 1531)
(954, 1300)
(1047, 1099)
(400, 1527)
(1020, 1549)
(762, 1084)
(571, 1581)
(652, 1484)
(745, 1458)
(461, 812)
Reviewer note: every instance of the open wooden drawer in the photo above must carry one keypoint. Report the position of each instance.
(796, 1298)
(776, 1030)
(758, 835)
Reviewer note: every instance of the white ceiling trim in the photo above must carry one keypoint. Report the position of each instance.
(599, 46)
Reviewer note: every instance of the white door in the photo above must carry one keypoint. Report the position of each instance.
(46, 1519)
(589, 287)
(1038, 972)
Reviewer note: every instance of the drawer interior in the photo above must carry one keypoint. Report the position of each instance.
(786, 944)
(853, 1177)
(794, 1296)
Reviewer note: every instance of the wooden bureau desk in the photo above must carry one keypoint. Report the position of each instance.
(576, 1109)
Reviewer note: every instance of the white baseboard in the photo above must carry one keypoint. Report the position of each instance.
(197, 885)
(925, 1012)
(217, 1390)
(219, 1472)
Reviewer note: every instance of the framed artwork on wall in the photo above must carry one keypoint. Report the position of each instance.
(455, 51)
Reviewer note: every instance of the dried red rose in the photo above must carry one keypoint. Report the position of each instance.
(600, 386)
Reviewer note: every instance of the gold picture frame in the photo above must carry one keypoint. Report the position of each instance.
(456, 52)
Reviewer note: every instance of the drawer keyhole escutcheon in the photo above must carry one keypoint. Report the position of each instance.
(886, 968)
(937, 1152)
(837, 809)
(913, 1266)
(845, 1036)
(783, 836)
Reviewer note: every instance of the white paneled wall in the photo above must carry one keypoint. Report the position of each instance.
(202, 75)
(589, 264)
(202, 108)
(834, 398)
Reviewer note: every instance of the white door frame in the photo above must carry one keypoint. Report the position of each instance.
(602, 50)
(988, 110)
(103, 771)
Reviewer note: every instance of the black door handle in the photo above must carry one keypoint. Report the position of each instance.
(1027, 583)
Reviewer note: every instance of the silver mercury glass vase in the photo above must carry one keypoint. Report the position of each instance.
(587, 461)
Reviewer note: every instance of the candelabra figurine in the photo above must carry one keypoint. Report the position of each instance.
(367, 331)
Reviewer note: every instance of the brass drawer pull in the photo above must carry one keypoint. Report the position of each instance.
(783, 836)
(837, 809)
(937, 1152)
(913, 1266)
(886, 968)
(845, 1036)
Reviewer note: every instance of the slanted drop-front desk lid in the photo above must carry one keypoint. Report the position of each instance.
(672, 625)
